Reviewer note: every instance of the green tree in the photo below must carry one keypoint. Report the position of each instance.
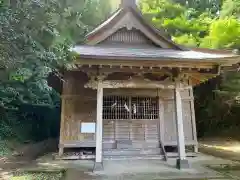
(184, 24)
(161, 9)
(212, 6)
(35, 40)
(230, 8)
(223, 33)
(208, 24)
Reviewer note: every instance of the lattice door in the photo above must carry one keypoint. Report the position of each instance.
(132, 119)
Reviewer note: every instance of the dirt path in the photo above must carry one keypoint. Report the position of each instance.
(219, 148)
(24, 157)
(223, 148)
(7, 167)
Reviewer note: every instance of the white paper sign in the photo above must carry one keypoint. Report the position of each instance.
(88, 128)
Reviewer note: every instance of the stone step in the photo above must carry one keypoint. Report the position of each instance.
(132, 152)
(145, 156)
(175, 155)
(160, 157)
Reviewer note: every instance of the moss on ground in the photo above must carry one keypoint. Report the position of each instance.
(38, 176)
(7, 147)
(225, 167)
(4, 149)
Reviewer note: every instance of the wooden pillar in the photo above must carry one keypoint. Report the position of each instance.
(60, 145)
(98, 166)
(193, 121)
(182, 162)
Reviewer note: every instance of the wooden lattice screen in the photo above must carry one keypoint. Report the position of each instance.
(126, 107)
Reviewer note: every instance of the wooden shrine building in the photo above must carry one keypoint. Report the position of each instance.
(131, 90)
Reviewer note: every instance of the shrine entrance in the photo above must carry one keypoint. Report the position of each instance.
(130, 122)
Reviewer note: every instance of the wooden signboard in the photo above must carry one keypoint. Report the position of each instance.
(88, 128)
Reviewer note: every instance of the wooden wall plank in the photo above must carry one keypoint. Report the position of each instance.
(187, 121)
(170, 132)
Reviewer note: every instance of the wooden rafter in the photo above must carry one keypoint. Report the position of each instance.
(198, 78)
(144, 69)
(148, 62)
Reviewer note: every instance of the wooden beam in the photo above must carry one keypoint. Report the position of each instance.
(198, 78)
(134, 83)
(140, 69)
(182, 161)
(179, 118)
(161, 117)
(193, 119)
(63, 118)
(73, 96)
(99, 129)
(171, 63)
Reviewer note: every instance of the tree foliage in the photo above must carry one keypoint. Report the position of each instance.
(197, 23)
(207, 24)
(35, 40)
(223, 33)
(230, 8)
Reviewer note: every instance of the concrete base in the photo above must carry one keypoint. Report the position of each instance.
(182, 164)
(98, 166)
